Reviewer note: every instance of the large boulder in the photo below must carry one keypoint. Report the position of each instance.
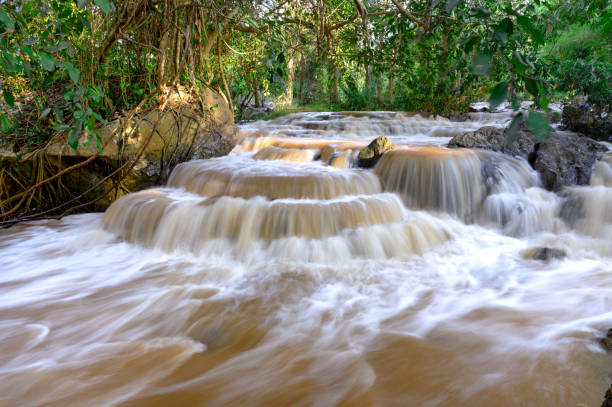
(193, 126)
(370, 155)
(591, 121)
(495, 138)
(563, 159)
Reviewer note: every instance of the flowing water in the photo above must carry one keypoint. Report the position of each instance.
(281, 275)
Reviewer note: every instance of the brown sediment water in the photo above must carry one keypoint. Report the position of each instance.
(281, 275)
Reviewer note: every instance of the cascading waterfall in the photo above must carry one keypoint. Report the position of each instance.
(282, 274)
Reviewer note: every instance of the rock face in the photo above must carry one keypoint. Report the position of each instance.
(191, 127)
(547, 253)
(608, 400)
(589, 121)
(563, 159)
(607, 341)
(370, 155)
(494, 138)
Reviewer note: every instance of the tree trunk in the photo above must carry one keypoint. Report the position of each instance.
(256, 93)
(390, 89)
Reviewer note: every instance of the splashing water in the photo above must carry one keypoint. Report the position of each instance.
(281, 275)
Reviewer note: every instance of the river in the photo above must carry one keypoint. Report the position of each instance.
(281, 275)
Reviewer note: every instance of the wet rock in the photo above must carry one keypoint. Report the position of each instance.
(563, 159)
(370, 155)
(475, 110)
(608, 399)
(494, 138)
(462, 117)
(588, 120)
(547, 253)
(607, 341)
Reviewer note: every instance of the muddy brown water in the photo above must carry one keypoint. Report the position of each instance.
(281, 275)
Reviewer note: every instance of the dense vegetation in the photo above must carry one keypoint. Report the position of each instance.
(68, 65)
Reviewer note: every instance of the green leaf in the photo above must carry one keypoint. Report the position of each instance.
(480, 12)
(73, 136)
(506, 26)
(72, 71)
(539, 125)
(532, 86)
(95, 93)
(7, 21)
(28, 51)
(252, 22)
(8, 97)
(98, 117)
(47, 61)
(501, 37)
(451, 4)
(481, 64)
(31, 41)
(498, 95)
(105, 5)
(83, 3)
(98, 143)
(526, 24)
(45, 113)
(518, 65)
(5, 123)
(513, 128)
(60, 127)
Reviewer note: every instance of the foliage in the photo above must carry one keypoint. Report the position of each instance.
(104, 57)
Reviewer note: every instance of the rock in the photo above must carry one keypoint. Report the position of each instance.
(607, 341)
(590, 121)
(563, 159)
(494, 138)
(608, 400)
(195, 126)
(462, 117)
(546, 253)
(472, 109)
(370, 155)
(251, 112)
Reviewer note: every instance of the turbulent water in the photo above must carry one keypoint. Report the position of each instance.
(281, 275)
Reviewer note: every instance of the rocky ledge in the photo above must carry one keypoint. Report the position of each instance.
(563, 159)
(193, 126)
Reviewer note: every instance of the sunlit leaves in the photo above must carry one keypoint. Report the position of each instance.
(498, 95)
